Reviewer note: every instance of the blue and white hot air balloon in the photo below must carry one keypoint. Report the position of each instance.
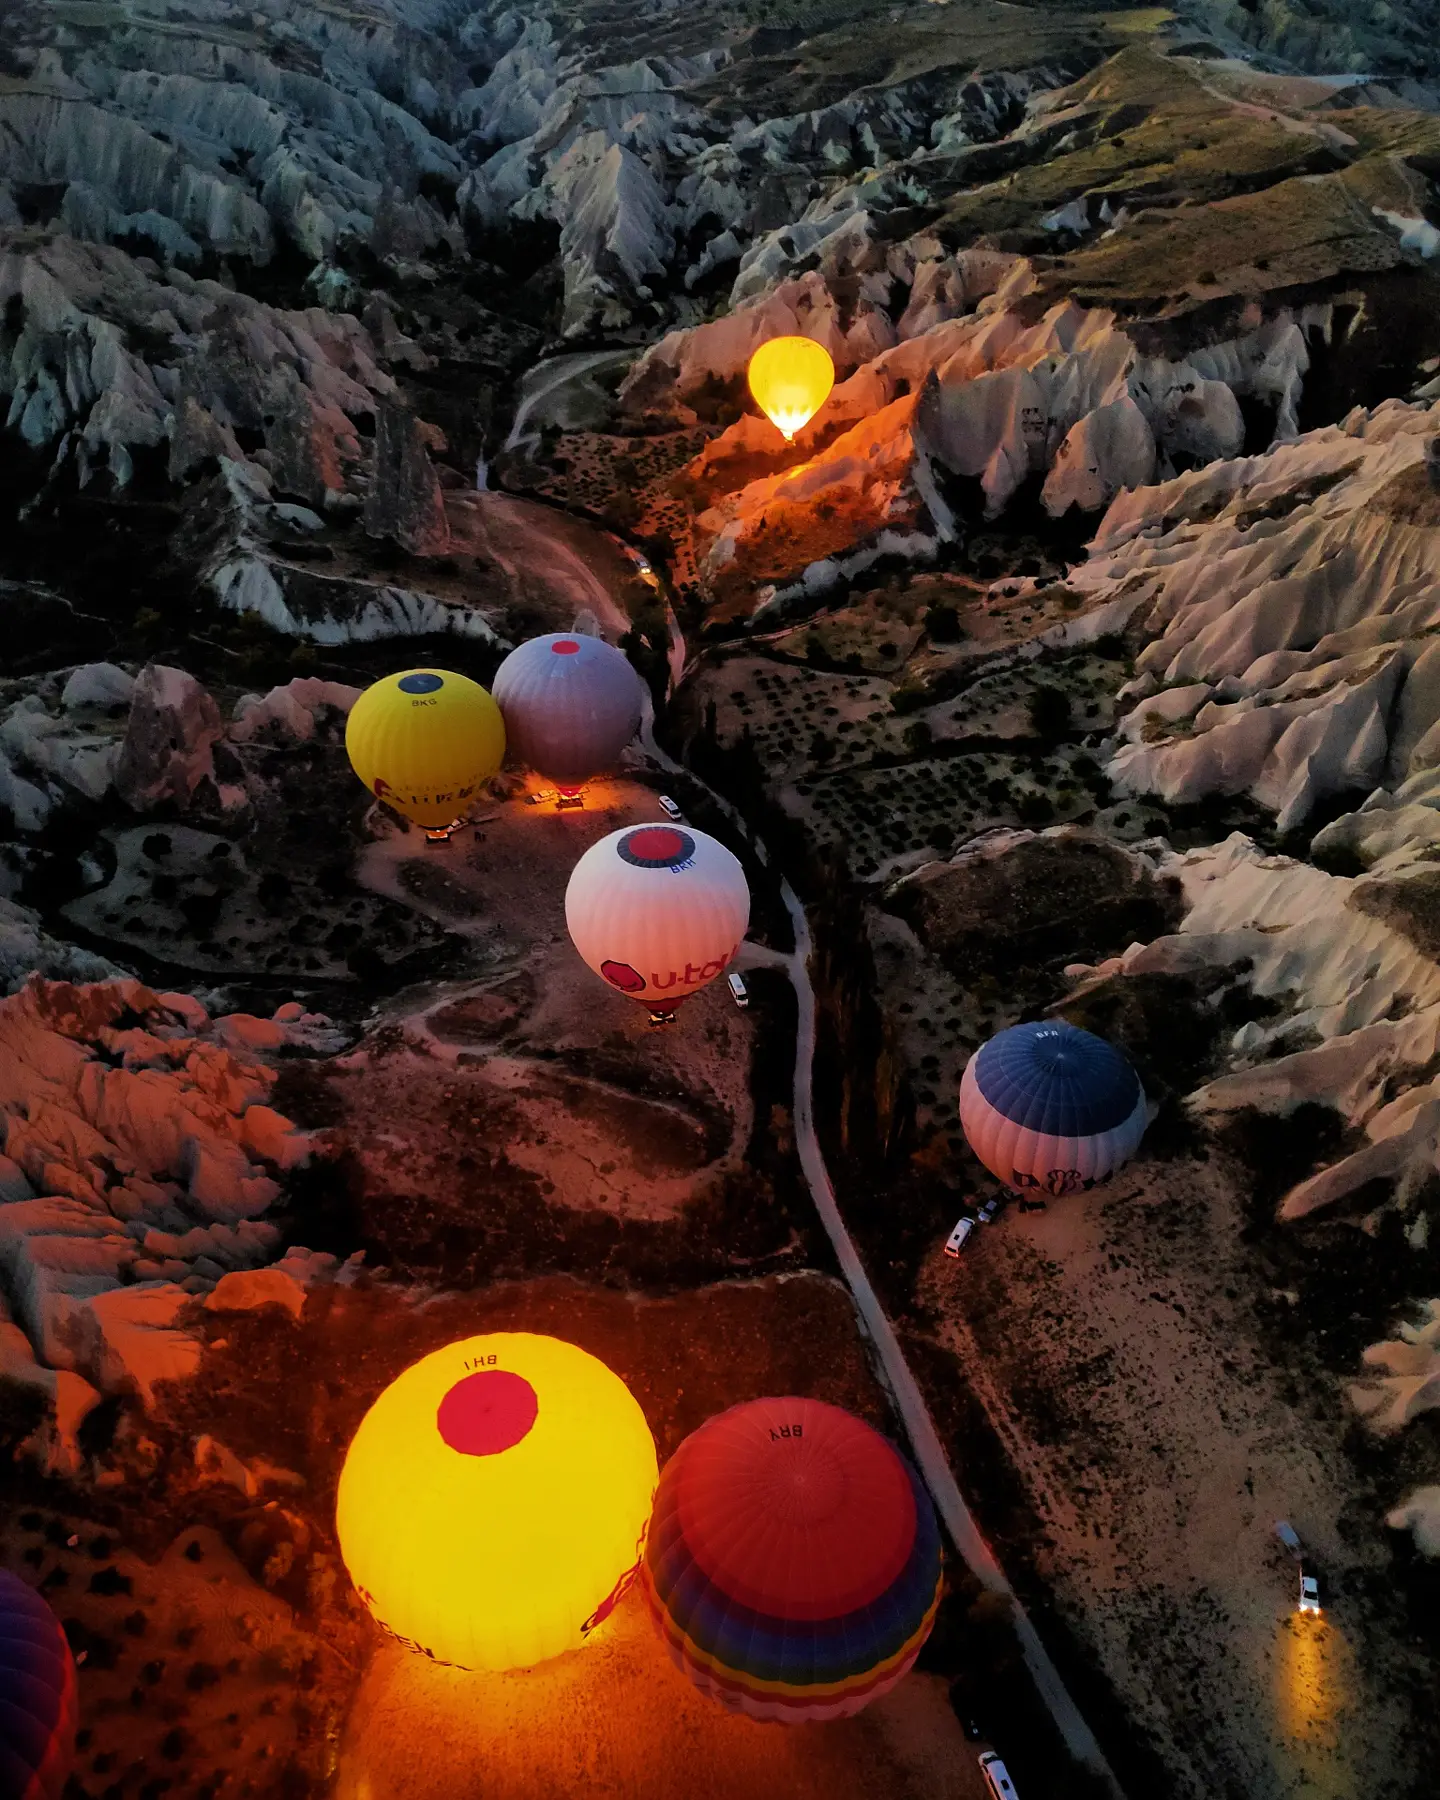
(1052, 1107)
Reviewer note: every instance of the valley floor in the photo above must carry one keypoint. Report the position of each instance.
(1113, 1342)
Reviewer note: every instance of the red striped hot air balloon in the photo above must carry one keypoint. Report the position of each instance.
(39, 1706)
(793, 1563)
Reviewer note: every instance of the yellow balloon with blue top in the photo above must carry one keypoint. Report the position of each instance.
(425, 742)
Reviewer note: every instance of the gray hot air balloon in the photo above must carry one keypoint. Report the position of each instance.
(571, 705)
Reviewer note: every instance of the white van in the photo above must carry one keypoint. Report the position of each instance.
(996, 1777)
(959, 1237)
(738, 991)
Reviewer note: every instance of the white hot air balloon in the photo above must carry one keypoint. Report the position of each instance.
(571, 704)
(658, 911)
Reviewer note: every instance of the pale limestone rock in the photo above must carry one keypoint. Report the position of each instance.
(244, 1290)
(404, 500)
(1419, 1514)
(1160, 711)
(269, 1136)
(94, 1138)
(1288, 754)
(26, 950)
(168, 749)
(946, 287)
(100, 686)
(127, 1341)
(290, 710)
(58, 1255)
(1108, 450)
(1407, 1378)
(614, 231)
(57, 749)
(187, 1009)
(243, 1031)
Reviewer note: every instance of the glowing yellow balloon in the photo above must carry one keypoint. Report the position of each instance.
(791, 379)
(493, 1505)
(424, 742)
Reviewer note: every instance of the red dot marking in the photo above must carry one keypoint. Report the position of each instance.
(565, 647)
(487, 1412)
(656, 843)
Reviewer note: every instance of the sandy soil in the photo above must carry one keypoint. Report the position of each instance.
(617, 1721)
(1112, 1342)
(189, 1664)
(528, 1116)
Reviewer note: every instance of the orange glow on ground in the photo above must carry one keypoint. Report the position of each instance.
(1313, 1692)
(617, 1721)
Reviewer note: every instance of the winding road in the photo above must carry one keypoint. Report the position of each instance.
(905, 1390)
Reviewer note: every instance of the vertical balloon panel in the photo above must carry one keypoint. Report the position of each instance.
(39, 1702)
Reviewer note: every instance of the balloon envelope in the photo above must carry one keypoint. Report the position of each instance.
(1050, 1106)
(39, 1706)
(793, 1564)
(424, 742)
(658, 911)
(493, 1503)
(791, 379)
(571, 704)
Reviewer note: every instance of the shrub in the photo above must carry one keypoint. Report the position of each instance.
(942, 621)
(1049, 712)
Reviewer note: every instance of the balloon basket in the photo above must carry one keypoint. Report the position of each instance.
(658, 1020)
(569, 799)
(444, 834)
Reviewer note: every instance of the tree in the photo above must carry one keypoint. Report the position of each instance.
(1049, 712)
(942, 621)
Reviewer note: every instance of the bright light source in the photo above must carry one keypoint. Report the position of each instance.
(791, 379)
(493, 1504)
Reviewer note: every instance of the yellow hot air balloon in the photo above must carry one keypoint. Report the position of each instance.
(791, 379)
(493, 1504)
(424, 742)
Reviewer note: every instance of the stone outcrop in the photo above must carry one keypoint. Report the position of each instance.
(404, 501)
(168, 749)
(134, 1180)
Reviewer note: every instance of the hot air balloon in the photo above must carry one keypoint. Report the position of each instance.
(791, 379)
(1052, 1107)
(658, 912)
(793, 1564)
(425, 742)
(571, 704)
(492, 1506)
(39, 1706)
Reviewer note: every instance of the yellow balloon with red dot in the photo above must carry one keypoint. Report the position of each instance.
(493, 1504)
